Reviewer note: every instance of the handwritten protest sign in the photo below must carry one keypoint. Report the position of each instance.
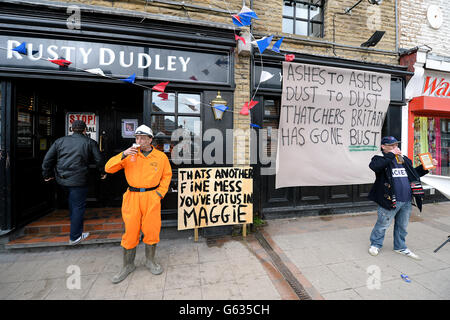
(330, 125)
(209, 197)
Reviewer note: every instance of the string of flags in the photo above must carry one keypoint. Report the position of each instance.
(243, 18)
(160, 87)
(22, 49)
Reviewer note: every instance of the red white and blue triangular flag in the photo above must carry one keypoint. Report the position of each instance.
(244, 111)
(22, 49)
(244, 17)
(164, 96)
(265, 76)
(263, 43)
(247, 12)
(241, 21)
(97, 71)
(252, 103)
(276, 46)
(130, 79)
(61, 62)
(236, 37)
(289, 57)
(192, 101)
(160, 86)
(221, 107)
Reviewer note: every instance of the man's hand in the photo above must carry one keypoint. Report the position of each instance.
(397, 151)
(435, 163)
(130, 151)
(103, 176)
(48, 179)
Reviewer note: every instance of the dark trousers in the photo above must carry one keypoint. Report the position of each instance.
(77, 206)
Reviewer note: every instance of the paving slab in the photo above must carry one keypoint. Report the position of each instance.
(337, 263)
(325, 255)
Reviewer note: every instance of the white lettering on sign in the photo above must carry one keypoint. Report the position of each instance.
(85, 54)
(399, 173)
(105, 56)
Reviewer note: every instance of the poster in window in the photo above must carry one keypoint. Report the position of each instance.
(129, 127)
(91, 120)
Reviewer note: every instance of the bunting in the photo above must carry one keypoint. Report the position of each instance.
(61, 62)
(161, 87)
(130, 79)
(243, 18)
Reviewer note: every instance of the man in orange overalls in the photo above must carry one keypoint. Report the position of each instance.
(148, 173)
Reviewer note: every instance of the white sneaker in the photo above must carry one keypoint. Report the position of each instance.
(83, 236)
(373, 250)
(408, 253)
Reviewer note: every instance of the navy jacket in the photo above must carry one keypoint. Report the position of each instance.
(68, 160)
(383, 188)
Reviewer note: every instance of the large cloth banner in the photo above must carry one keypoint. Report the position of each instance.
(330, 125)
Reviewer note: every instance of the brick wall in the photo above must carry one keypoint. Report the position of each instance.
(350, 30)
(415, 29)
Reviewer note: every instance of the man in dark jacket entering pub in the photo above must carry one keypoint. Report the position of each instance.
(68, 160)
(397, 184)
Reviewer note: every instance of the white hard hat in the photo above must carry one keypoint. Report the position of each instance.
(143, 130)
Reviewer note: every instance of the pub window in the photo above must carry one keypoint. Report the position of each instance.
(44, 124)
(271, 119)
(25, 123)
(177, 111)
(303, 17)
(35, 118)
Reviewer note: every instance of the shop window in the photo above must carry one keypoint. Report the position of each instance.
(303, 17)
(176, 111)
(432, 134)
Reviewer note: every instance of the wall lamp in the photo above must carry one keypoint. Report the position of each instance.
(349, 10)
(218, 106)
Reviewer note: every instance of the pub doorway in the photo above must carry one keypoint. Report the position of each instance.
(43, 110)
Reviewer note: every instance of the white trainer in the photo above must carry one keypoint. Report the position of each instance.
(373, 250)
(408, 253)
(83, 236)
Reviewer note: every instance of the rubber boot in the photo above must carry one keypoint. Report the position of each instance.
(128, 265)
(150, 262)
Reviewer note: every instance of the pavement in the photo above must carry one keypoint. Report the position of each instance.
(316, 257)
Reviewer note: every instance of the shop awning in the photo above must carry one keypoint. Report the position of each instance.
(430, 106)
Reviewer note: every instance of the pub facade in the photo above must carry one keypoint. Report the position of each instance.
(193, 47)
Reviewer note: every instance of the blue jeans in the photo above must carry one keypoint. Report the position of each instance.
(401, 216)
(77, 207)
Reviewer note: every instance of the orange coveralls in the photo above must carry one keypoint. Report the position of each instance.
(142, 210)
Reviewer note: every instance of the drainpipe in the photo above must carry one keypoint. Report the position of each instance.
(396, 26)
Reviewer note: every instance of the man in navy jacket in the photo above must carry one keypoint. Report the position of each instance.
(392, 192)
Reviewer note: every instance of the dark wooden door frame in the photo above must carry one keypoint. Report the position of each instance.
(6, 222)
